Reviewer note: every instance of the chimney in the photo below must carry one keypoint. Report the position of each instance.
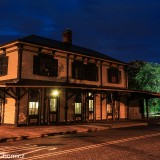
(67, 36)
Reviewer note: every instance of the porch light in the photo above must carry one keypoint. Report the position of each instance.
(55, 92)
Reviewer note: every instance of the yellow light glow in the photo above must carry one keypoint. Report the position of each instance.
(55, 93)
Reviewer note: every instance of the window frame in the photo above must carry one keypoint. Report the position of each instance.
(33, 102)
(79, 106)
(45, 65)
(90, 102)
(91, 72)
(33, 108)
(77, 70)
(114, 75)
(56, 105)
(3, 65)
(81, 71)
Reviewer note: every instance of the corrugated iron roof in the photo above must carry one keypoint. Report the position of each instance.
(38, 40)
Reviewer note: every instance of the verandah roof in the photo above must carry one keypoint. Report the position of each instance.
(73, 86)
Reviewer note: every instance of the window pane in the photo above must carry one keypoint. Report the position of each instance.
(77, 108)
(33, 108)
(45, 65)
(109, 108)
(113, 75)
(33, 102)
(77, 70)
(90, 105)
(3, 65)
(91, 72)
(53, 104)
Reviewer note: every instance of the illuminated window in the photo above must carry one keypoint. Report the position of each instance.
(91, 102)
(33, 108)
(77, 108)
(53, 104)
(90, 105)
(33, 102)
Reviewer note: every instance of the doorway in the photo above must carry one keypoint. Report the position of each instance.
(53, 110)
(113, 110)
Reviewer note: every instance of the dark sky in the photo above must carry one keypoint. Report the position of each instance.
(124, 29)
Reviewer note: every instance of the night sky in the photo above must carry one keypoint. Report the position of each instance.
(124, 29)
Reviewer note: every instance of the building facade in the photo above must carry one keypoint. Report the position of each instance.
(45, 82)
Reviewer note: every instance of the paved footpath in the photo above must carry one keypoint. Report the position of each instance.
(11, 133)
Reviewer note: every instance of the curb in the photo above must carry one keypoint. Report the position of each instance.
(19, 138)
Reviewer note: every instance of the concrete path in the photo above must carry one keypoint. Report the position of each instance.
(11, 133)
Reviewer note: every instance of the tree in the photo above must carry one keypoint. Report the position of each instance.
(148, 77)
(133, 69)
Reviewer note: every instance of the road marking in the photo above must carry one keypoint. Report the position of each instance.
(91, 146)
(16, 147)
(52, 149)
(32, 148)
(11, 150)
(33, 151)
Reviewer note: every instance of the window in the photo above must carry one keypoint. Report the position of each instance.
(91, 102)
(91, 72)
(84, 71)
(33, 108)
(77, 70)
(33, 102)
(109, 108)
(3, 65)
(91, 105)
(53, 104)
(114, 75)
(77, 108)
(45, 65)
(109, 99)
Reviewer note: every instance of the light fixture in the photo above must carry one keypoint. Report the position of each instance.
(55, 92)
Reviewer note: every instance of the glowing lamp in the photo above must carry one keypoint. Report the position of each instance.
(55, 93)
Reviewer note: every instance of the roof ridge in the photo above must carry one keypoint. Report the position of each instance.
(44, 41)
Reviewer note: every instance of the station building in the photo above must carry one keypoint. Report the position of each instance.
(48, 82)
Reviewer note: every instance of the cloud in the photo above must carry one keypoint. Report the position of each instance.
(120, 28)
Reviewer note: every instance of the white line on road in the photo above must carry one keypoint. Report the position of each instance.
(33, 151)
(52, 149)
(32, 148)
(19, 150)
(91, 146)
(10, 148)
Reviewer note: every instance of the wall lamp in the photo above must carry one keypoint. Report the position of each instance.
(55, 92)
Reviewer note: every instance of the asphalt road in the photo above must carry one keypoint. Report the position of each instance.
(134, 143)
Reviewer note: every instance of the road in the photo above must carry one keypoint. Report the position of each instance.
(133, 143)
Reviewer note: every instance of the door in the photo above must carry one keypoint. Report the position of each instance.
(33, 106)
(78, 112)
(53, 110)
(90, 107)
(113, 110)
